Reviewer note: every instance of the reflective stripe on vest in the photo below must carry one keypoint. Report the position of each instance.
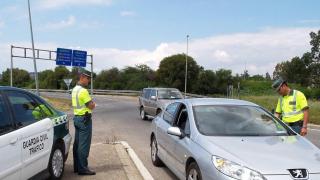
(294, 108)
(77, 99)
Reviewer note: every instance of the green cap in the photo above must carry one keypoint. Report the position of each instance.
(84, 72)
(277, 83)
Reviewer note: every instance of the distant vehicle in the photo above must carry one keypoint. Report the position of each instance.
(34, 136)
(152, 100)
(228, 139)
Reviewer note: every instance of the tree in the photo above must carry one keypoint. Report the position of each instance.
(224, 78)
(21, 78)
(171, 72)
(47, 80)
(268, 77)
(245, 74)
(314, 68)
(207, 83)
(109, 79)
(315, 46)
(61, 72)
(315, 74)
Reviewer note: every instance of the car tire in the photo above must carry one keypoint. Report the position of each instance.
(156, 161)
(193, 172)
(158, 112)
(56, 162)
(143, 114)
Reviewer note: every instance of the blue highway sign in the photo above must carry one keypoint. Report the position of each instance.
(79, 58)
(64, 57)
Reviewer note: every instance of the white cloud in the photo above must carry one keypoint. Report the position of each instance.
(257, 52)
(59, 25)
(127, 13)
(50, 4)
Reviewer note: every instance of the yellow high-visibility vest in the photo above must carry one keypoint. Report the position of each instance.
(41, 112)
(291, 106)
(80, 96)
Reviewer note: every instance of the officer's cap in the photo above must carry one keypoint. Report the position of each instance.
(82, 71)
(277, 83)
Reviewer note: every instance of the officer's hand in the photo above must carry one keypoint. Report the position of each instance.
(303, 131)
(92, 105)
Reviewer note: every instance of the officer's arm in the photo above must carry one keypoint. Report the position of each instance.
(91, 105)
(278, 110)
(305, 117)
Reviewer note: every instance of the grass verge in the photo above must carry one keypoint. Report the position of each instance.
(59, 103)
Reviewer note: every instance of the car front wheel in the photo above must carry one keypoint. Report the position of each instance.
(56, 162)
(193, 172)
(154, 153)
(143, 114)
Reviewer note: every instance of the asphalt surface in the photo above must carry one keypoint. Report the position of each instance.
(119, 119)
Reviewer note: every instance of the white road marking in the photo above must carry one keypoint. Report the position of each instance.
(315, 130)
(142, 169)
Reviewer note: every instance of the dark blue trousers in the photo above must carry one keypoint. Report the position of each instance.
(296, 128)
(82, 142)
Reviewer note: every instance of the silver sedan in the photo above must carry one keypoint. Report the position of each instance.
(224, 139)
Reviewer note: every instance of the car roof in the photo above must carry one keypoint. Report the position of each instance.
(159, 88)
(5, 88)
(216, 101)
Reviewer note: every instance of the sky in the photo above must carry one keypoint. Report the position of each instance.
(229, 34)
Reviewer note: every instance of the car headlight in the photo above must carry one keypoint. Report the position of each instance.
(235, 170)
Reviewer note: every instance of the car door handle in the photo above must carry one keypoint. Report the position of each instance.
(13, 141)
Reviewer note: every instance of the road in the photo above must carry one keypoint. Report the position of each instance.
(117, 118)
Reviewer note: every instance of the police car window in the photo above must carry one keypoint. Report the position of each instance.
(26, 110)
(5, 123)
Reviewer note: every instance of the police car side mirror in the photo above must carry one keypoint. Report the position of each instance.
(272, 111)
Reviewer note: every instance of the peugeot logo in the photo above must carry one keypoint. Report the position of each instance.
(299, 174)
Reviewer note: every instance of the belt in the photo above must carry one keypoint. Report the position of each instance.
(297, 123)
(89, 114)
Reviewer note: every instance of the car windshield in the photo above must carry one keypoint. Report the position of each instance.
(169, 94)
(213, 120)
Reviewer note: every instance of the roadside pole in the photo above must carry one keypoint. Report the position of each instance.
(33, 52)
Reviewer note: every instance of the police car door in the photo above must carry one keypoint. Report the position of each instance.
(36, 133)
(10, 149)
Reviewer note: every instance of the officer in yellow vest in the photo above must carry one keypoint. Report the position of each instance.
(82, 107)
(292, 107)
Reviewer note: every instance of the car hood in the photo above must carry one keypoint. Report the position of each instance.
(268, 154)
(164, 102)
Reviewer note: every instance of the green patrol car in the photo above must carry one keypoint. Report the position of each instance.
(34, 136)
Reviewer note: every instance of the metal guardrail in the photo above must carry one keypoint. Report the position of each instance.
(112, 92)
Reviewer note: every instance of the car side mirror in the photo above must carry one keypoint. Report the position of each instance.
(153, 98)
(175, 131)
(272, 110)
